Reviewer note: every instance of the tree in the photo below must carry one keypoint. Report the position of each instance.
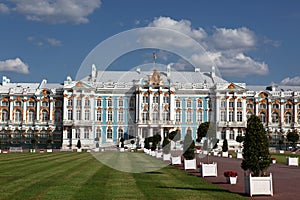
(202, 130)
(147, 143)
(256, 148)
(225, 145)
(188, 147)
(175, 136)
(78, 144)
(240, 139)
(166, 146)
(292, 137)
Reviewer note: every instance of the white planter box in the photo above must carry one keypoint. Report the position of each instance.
(49, 150)
(274, 161)
(167, 157)
(239, 155)
(292, 161)
(158, 154)
(281, 151)
(209, 169)
(176, 160)
(190, 164)
(231, 180)
(153, 153)
(259, 185)
(225, 154)
(79, 150)
(205, 152)
(0, 150)
(216, 153)
(198, 150)
(122, 149)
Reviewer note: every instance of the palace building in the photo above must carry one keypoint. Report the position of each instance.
(103, 107)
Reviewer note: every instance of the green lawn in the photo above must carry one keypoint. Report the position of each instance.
(281, 158)
(81, 176)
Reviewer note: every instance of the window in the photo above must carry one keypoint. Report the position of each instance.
(199, 116)
(145, 99)
(99, 115)
(109, 116)
(87, 103)
(4, 115)
(223, 134)
(288, 106)
(199, 104)
(189, 116)
(178, 116)
(109, 103)
(44, 103)
(145, 116)
(231, 104)
(155, 99)
(31, 117)
(298, 118)
(121, 103)
(239, 116)
(87, 114)
(69, 133)
(18, 103)
(249, 105)
(262, 106)
(57, 104)
(120, 133)
(165, 116)
(178, 104)
(165, 99)
(275, 106)
(78, 114)
(70, 114)
(98, 133)
(18, 116)
(77, 133)
(231, 135)
(70, 102)
(223, 104)
(78, 103)
(57, 116)
(86, 133)
(239, 104)
(274, 117)
(231, 116)
(99, 102)
(131, 103)
(263, 117)
(4, 103)
(109, 134)
(44, 115)
(189, 104)
(288, 118)
(31, 103)
(249, 114)
(223, 116)
(155, 116)
(120, 115)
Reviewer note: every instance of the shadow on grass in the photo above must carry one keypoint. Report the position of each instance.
(154, 172)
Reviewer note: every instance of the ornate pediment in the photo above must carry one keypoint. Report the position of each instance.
(155, 79)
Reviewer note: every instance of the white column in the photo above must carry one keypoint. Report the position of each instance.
(51, 109)
(172, 104)
(227, 108)
(24, 109)
(256, 107)
(38, 106)
(281, 111)
(65, 107)
(235, 109)
(11, 106)
(150, 103)
(74, 99)
(161, 107)
(295, 111)
(269, 104)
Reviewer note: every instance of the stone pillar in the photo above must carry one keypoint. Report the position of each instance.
(172, 104)
(24, 109)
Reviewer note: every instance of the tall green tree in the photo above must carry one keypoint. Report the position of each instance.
(292, 137)
(202, 130)
(78, 144)
(256, 148)
(225, 145)
(188, 147)
(166, 146)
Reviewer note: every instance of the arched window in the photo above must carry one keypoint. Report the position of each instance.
(239, 116)
(109, 133)
(275, 106)
(155, 116)
(31, 103)
(18, 103)
(199, 116)
(57, 116)
(288, 118)
(44, 115)
(98, 133)
(262, 117)
(120, 115)
(231, 135)
(18, 116)
(288, 106)
(249, 114)
(4, 115)
(99, 115)
(120, 133)
(165, 116)
(87, 114)
(178, 116)
(274, 117)
(31, 116)
(44, 103)
(109, 116)
(145, 116)
(262, 106)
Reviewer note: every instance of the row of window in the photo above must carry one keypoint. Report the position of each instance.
(86, 133)
(32, 103)
(188, 104)
(275, 117)
(231, 117)
(18, 117)
(99, 114)
(99, 103)
(274, 106)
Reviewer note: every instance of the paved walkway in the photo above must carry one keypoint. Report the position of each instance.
(286, 179)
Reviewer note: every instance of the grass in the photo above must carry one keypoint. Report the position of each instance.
(82, 176)
(281, 158)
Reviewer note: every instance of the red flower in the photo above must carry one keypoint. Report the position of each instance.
(230, 174)
(273, 158)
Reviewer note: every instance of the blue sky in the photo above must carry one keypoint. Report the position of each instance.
(256, 42)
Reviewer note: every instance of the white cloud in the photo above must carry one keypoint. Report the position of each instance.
(4, 8)
(291, 81)
(53, 42)
(56, 11)
(14, 65)
(44, 41)
(226, 48)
